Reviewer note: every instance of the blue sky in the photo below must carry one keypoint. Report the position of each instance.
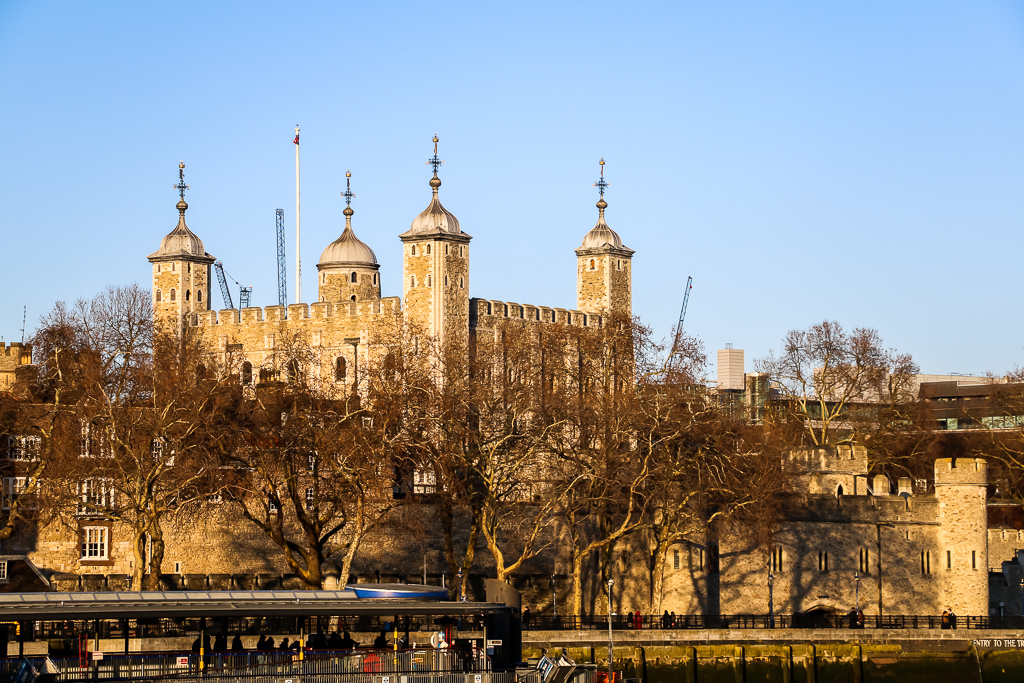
(801, 160)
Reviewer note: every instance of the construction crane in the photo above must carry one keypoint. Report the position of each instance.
(243, 292)
(682, 313)
(224, 292)
(282, 273)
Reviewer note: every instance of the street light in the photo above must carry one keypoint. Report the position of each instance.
(856, 583)
(554, 596)
(771, 599)
(611, 644)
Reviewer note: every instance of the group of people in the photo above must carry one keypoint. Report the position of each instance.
(318, 641)
(856, 617)
(948, 618)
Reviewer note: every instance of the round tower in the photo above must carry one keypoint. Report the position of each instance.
(604, 266)
(348, 269)
(181, 270)
(960, 485)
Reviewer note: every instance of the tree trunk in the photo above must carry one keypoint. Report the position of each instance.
(156, 537)
(576, 599)
(139, 554)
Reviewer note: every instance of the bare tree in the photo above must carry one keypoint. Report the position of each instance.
(835, 385)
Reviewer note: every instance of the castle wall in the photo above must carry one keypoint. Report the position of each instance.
(960, 487)
(12, 357)
(314, 334)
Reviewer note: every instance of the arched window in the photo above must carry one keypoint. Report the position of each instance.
(159, 296)
(246, 373)
(461, 251)
(445, 280)
(412, 280)
(190, 267)
(428, 249)
(354, 277)
(414, 250)
(462, 283)
(592, 264)
(446, 250)
(375, 278)
(199, 296)
(340, 369)
(174, 267)
(430, 280)
(188, 294)
(353, 297)
(172, 295)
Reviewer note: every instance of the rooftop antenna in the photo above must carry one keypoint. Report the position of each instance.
(24, 316)
(298, 258)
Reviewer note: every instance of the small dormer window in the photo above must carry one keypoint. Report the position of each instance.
(414, 250)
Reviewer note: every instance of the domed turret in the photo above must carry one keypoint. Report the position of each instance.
(181, 270)
(348, 267)
(603, 266)
(181, 241)
(435, 219)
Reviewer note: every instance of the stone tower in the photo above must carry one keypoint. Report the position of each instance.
(181, 271)
(963, 552)
(603, 266)
(348, 268)
(435, 271)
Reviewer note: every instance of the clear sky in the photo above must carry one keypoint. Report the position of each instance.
(854, 161)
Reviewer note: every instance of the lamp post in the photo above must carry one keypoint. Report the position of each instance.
(771, 599)
(554, 597)
(611, 644)
(856, 584)
(1022, 597)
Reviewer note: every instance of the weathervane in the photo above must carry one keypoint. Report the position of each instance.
(181, 186)
(348, 194)
(602, 184)
(434, 160)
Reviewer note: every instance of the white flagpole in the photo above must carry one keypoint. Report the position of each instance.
(298, 233)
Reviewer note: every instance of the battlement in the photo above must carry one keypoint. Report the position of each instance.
(848, 459)
(320, 310)
(488, 312)
(961, 472)
(15, 354)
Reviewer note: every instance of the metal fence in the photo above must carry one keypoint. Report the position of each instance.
(364, 666)
(764, 621)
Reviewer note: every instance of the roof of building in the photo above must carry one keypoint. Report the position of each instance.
(435, 219)
(181, 241)
(112, 605)
(348, 249)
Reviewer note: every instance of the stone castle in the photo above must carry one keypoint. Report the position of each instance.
(435, 292)
(915, 547)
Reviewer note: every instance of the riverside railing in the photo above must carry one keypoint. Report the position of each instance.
(763, 621)
(348, 666)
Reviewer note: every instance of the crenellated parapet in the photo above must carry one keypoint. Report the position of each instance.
(296, 313)
(961, 472)
(488, 313)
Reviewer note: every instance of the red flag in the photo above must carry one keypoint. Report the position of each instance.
(296, 140)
